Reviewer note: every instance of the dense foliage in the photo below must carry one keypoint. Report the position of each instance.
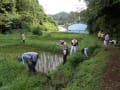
(103, 15)
(23, 14)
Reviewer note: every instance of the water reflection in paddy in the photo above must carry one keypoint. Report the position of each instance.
(48, 62)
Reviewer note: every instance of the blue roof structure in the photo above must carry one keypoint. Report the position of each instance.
(77, 28)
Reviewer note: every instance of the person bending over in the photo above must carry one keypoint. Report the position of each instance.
(85, 51)
(30, 59)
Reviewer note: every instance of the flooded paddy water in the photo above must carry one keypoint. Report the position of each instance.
(48, 62)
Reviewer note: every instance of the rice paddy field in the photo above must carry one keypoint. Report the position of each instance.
(78, 73)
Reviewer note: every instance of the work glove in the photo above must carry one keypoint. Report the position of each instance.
(64, 52)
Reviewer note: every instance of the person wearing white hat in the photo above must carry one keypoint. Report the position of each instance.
(65, 50)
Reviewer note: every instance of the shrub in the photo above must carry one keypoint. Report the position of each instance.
(92, 50)
(75, 59)
(37, 30)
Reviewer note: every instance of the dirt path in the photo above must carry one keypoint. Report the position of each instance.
(111, 80)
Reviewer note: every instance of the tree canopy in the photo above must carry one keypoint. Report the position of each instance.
(103, 15)
(23, 14)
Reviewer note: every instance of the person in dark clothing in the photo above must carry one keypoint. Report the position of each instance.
(30, 59)
(65, 50)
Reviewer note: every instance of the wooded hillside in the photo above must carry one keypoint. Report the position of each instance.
(24, 14)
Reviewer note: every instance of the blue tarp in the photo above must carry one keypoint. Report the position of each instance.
(77, 27)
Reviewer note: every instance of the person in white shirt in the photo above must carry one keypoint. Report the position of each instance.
(113, 42)
(107, 38)
(105, 44)
(74, 46)
(85, 51)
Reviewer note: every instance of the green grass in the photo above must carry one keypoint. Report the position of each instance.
(79, 73)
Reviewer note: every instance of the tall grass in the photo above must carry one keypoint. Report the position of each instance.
(79, 73)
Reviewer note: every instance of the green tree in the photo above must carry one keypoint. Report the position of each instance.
(22, 14)
(103, 15)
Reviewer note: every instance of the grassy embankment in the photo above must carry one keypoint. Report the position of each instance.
(79, 73)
